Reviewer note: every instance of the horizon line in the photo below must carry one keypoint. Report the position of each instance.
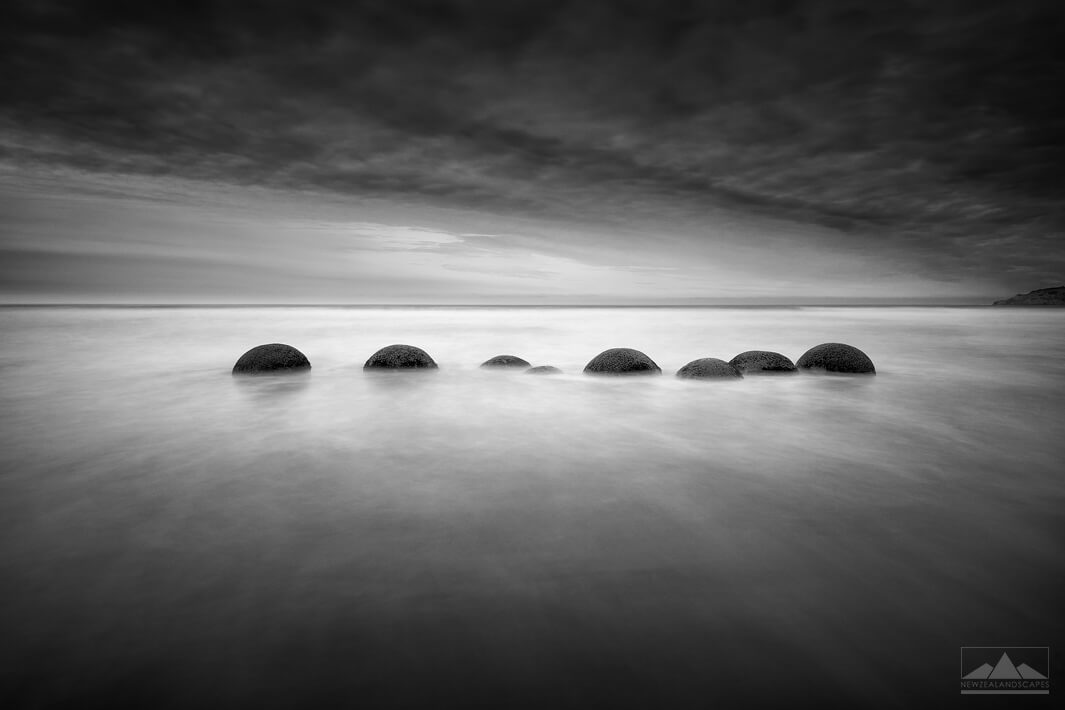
(875, 303)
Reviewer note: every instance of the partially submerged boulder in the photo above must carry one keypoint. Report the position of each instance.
(708, 368)
(543, 370)
(622, 361)
(271, 358)
(400, 357)
(504, 361)
(758, 361)
(836, 357)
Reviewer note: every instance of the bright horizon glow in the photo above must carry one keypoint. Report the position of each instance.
(75, 238)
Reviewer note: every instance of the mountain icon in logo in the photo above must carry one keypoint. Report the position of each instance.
(980, 673)
(1004, 670)
(1029, 673)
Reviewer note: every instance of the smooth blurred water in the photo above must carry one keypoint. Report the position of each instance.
(173, 536)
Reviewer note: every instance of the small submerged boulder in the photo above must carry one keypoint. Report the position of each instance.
(622, 361)
(708, 368)
(836, 357)
(757, 361)
(543, 370)
(504, 361)
(274, 357)
(400, 357)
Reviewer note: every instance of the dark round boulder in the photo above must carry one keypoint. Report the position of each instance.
(543, 370)
(400, 357)
(504, 361)
(836, 357)
(757, 361)
(708, 368)
(622, 361)
(274, 357)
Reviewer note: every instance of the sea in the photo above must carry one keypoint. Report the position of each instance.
(172, 536)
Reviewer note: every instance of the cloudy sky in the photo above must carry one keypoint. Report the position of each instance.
(542, 151)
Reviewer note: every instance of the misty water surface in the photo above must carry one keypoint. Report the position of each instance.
(174, 536)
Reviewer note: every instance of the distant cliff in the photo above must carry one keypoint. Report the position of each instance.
(1040, 297)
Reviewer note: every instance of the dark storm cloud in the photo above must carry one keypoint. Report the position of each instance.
(933, 126)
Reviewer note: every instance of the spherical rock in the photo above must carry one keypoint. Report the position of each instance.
(274, 357)
(504, 361)
(757, 361)
(543, 370)
(836, 357)
(708, 368)
(400, 357)
(622, 361)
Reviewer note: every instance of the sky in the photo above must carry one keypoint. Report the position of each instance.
(541, 151)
